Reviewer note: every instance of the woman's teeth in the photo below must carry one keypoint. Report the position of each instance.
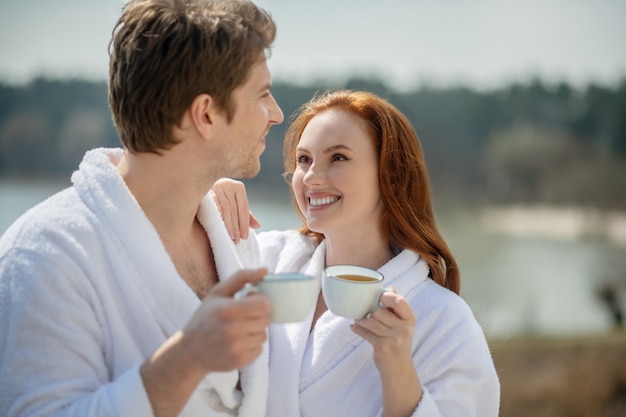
(322, 201)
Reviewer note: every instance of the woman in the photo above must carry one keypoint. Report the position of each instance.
(360, 185)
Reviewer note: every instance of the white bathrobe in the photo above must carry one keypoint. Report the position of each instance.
(88, 292)
(330, 371)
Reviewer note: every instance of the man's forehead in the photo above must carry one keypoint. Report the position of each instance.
(259, 77)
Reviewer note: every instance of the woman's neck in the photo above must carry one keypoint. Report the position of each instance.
(371, 253)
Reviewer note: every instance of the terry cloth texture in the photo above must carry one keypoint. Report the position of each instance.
(88, 292)
(329, 370)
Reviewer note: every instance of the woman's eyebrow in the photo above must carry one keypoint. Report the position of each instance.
(336, 148)
(327, 150)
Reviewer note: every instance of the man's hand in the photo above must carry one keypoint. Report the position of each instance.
(224, 334)
(227, 334)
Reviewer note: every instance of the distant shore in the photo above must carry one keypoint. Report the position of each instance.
(564, 223)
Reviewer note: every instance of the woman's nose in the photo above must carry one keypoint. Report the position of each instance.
(313, 176)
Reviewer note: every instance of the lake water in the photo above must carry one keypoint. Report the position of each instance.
(525, 270)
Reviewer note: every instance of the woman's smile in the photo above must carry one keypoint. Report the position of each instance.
(324, 201)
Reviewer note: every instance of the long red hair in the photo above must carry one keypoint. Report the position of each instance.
(407, 220)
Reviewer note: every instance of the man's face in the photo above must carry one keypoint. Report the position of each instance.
(255, 112)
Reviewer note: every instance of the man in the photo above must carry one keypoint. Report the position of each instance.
(109, 297)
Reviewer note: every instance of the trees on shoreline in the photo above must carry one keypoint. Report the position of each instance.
(527, 143)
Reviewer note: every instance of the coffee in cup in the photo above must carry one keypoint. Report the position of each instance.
(352, 291)
(291, 295)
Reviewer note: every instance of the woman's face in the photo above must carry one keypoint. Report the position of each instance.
(335, 182)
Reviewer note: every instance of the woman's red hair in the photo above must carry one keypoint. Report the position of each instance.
(407, 220)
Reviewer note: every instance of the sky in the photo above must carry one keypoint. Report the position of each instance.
(404, 43)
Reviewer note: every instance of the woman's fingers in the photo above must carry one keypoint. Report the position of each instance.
(391, 326)
(397, 304)
(232, 201)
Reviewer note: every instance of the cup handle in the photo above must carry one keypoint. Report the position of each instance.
(378, 304)
(245, 291)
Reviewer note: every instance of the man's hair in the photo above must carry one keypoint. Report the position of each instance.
(164, 53)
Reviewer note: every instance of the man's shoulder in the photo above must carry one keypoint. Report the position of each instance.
(60, 218)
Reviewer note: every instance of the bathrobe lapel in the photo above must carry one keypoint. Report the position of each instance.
(288, 343)
(103, 190)
(229, 259)
(331, 340)
(159, 288)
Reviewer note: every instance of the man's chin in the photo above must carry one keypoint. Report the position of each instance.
(249, 171)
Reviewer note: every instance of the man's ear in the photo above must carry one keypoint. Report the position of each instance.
(202, 114)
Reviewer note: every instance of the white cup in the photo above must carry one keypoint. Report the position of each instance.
(292, 295)
(352, 291)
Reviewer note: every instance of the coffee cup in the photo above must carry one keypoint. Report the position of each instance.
(291, 295)
(352, 291)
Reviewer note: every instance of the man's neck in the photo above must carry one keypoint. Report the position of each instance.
(169, 194)
(170, 197)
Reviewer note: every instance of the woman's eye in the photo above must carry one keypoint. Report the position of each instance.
(302, 159)
(339, 157)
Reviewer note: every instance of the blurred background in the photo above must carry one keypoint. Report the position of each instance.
(521, 111)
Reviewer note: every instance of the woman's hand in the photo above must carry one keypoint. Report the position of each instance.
(390, 332)
(232, 202)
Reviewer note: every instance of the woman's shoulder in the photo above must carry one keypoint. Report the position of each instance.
(409, 273)
(443, 308)
(287, 249)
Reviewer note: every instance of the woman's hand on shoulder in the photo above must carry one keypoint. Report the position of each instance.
(232, 201)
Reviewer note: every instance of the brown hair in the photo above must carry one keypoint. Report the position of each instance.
(164, 53)
(407, 220)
